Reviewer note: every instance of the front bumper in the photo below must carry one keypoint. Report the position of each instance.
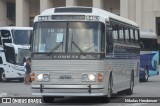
(68, 90)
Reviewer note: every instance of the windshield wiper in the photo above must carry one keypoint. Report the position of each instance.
(79, 48)
(56, 47)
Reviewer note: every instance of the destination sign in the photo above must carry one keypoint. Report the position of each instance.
(68, 17)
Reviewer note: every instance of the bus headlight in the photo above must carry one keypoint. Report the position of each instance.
(43, 77)
(88, 77)
(40, 77)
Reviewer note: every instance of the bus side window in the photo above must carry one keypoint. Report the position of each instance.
(115, 32)
(109, 40)
(131, 35)
(141, 45)
(136, 36)
(121, 34)
(7, 35)
(126, 34)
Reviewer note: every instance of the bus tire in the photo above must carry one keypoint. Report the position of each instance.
(107, 98)
(48, 99)
(3, 77)
(130, 90)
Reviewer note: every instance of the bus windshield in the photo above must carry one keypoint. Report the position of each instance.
(86, 35)
(21, 37)
(73, 37)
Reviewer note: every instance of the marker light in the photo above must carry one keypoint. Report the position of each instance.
(33, 76)
(44, 18)
(92, 18)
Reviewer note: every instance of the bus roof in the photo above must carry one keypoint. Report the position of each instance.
(151, 35)
(16, 28)
(78, 10)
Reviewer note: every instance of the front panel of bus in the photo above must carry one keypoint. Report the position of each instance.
(66, 58)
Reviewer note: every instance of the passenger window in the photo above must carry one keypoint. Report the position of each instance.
(127, 35)
(121, 34)
(115, 32)
(142, 45)
(131, 35)
(115, 35)
(136, 35)
(109, 40)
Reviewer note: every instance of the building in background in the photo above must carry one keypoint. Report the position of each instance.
(22, 12)
(144, 12)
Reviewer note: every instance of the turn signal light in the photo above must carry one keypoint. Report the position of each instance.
(100, 77)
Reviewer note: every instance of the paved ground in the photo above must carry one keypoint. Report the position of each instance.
(144, 89)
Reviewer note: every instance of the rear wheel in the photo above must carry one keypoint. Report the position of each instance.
(48, 99)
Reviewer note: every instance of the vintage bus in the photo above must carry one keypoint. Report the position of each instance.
(14, 47)
(83, 51)
(149, 55)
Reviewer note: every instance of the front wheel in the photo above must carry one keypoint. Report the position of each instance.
(48, 99)
(109, 95)
(3, 77)
(130, 90)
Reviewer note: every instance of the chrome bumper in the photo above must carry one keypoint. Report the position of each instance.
(68, 90)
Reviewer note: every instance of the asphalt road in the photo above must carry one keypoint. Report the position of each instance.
(143, 89)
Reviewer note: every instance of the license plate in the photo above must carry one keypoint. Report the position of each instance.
(65, 77)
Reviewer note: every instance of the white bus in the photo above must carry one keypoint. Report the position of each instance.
(14, 47)
(83, 51)
(149, 55)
